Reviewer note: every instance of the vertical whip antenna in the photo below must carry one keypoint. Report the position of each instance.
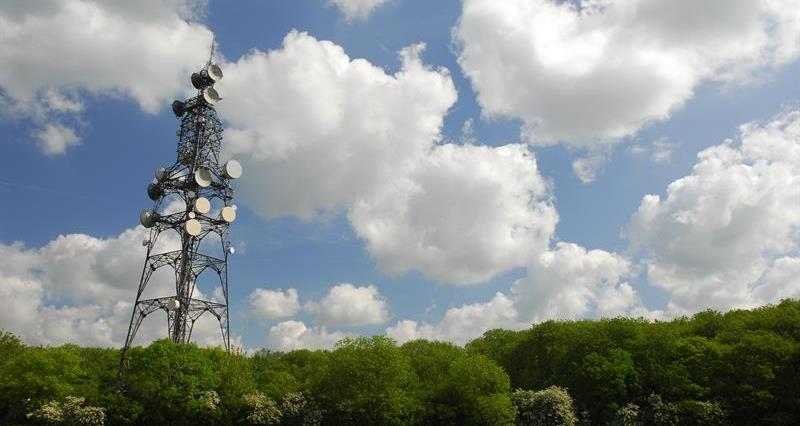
(213, 49)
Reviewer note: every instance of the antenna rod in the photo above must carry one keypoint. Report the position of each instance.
(213, 48)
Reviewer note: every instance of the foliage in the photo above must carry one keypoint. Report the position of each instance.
(171, 382)
(700, 413)
(628, 415)
(547, 407)
(659, 412)
(10, 345)
(367, 381)
(36, 375)
(431, 362)
(299, 410)
(478, 391)
(71, 412)
(739, 367)
(261, 410)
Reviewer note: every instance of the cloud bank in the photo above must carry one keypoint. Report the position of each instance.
(590, 73)
(723, 235)
(55, 53)
(346, 136)
(79, 289)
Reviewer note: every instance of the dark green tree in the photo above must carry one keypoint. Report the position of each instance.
(36, 375)
(367, 381)
(478, 390)
(171, 382)
(431, 364)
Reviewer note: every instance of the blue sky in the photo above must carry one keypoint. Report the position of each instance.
(667, 86)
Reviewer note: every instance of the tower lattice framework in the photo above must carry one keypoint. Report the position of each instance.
(201, 186)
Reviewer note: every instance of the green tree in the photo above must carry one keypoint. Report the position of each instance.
(10, 346)
(478, 390)
(750, 376)
(121, 409)
(274, 373)
(35, 375)
(606, 379)
(171, 382)
(236, 380)
(431, 364)
(700, 413)
(497, 345)
(367, 381)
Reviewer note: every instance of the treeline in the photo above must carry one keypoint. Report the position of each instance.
(741, 367)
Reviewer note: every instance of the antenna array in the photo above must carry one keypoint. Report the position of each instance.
(202, 187)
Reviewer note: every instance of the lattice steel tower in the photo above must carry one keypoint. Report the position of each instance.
(201, 186)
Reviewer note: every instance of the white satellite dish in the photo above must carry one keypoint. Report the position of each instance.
(160, 173)
(214, 72)
(231, 250)
(202, 176)
(191, 215)
(211, 96)
(232, 169)
(192, 227)
(148, 218)
(228, 214)
(202, 205)
(173, 304)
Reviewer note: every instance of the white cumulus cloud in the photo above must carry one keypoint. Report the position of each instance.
(586, 168)
(568, 282)
(588, 73)
(461, 215)
(346, 136)
(346, 304)
(728, 234)
(357, 9)
(55, 139)
(291, 335)
(341, 126)
(461, 324)
(54, 52)
(80, 289)
(271, 304)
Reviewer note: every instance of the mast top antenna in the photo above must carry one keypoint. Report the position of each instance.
(213, 49)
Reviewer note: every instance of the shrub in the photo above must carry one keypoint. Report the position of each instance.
(659, 412)
(628, 415)
(71, 412)
(548, 407)
(299, 410)
(700, 413)
(261, 410)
